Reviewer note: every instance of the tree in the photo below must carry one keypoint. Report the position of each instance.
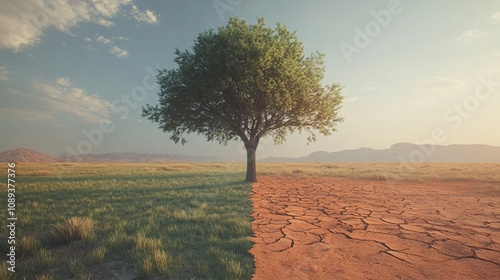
(246, 81)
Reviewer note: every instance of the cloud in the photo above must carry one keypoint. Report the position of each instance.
(113, 49)
(23, 23)
(370, 88)
(120, 38)
(63, 96)
(440, 87)
(109, 8)
(495, 53)
(102, 39)
(64, 82)
(27, 115)
(105, 22)
(3, 73)
(351, 99)
(496, 16)
(148, 16)
(118, 51)
(471, 35)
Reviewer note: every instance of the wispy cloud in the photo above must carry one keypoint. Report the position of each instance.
(438, 86)
(110, 43)
(105, 22)
(470, 35)
(62, 96)
(147, 16)
(3, 73)
(118, 51)
(496, 16)
(23, 23)
(35, 116)
(351, 99)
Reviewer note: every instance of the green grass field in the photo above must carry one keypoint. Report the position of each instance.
(175, 221)
(163, 220)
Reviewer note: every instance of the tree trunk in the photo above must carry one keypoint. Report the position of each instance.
(251, 170)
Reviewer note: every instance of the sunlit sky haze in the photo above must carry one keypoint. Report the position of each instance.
(409, 69)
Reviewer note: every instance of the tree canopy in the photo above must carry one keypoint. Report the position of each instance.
(246, 82)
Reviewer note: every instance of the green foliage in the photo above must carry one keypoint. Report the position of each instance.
(246, 81)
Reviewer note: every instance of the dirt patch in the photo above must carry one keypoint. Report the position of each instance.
(330, 228)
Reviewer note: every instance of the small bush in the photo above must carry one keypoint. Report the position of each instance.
(74, 229)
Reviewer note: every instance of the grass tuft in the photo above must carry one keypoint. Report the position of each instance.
(77, 269)
(146, 244)
(4, 273)
(44, 259)
(45, 277)
(27, 245)
(74, 229)
(162, 261)
(96, 256)
(146, 269)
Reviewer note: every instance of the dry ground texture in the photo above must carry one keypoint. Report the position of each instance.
(426, 221)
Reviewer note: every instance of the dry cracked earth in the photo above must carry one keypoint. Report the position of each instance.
(331, 228)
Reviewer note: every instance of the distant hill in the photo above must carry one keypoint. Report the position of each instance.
(426, 153)
(134, 157)
(25, 155)
(435, 153)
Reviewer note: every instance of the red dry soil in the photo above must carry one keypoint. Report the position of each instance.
(331, 228)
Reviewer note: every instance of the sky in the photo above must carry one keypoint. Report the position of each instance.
(74, 75)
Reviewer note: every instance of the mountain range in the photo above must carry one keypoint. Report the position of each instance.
(404, 152)
(396, 153)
